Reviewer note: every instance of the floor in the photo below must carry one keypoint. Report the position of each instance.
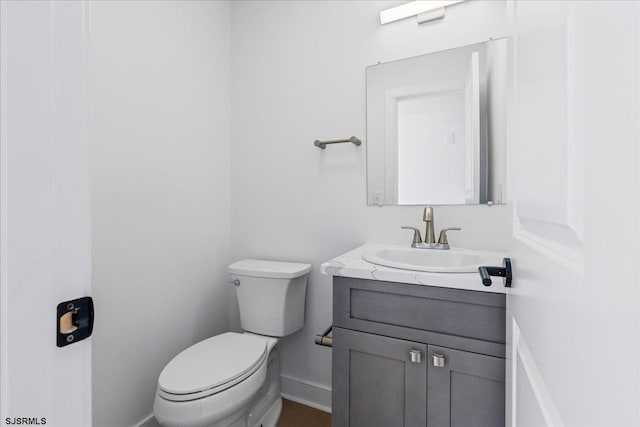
(297, 415)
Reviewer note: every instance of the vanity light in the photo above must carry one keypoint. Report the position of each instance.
(424, 10)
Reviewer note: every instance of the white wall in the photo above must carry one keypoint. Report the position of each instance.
(298, 74)
(160, 179)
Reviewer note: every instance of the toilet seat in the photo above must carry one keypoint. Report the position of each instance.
(212, 366)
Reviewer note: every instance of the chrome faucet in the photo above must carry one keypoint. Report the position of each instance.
(429, 234)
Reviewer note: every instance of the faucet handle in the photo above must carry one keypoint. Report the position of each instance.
(417, 238)
(442, 240)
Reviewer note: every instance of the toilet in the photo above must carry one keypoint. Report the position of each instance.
(233, 379)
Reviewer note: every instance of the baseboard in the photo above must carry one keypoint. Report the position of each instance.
(150, 421)
(307, 393)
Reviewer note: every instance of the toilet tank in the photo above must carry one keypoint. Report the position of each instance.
(270, 295)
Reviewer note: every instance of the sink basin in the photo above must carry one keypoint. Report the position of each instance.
(454, 260)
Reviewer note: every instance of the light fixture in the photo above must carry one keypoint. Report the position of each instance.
(425, 10)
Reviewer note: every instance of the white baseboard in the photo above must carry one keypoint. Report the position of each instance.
(307, 393)
(150, 421)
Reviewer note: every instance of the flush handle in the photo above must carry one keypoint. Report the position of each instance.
(74, 321)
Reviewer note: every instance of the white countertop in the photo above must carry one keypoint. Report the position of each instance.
(351, 264)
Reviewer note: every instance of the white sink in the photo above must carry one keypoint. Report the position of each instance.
(454, 260)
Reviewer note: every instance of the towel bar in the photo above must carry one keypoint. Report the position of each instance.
(325, 340)
(323, 144)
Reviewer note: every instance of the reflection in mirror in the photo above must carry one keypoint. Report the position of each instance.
(436, 127)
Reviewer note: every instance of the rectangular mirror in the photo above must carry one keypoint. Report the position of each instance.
(436, 127)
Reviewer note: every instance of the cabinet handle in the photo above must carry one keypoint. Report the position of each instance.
(438, 360)
(415, 356)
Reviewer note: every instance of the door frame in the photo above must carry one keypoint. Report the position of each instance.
(43, 121)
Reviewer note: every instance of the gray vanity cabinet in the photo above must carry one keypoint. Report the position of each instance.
(413, 355)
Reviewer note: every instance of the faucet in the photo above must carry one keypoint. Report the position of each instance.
(429, 234)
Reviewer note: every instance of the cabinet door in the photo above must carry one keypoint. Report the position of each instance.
(375, 383)
(467, 391)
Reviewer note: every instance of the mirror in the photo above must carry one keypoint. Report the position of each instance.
(436, 127)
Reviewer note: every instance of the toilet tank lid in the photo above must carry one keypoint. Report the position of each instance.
(271, 269)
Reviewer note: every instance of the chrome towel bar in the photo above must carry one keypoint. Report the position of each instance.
(323, 144)
(325, 340)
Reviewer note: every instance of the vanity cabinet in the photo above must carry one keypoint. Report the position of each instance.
(414, 355)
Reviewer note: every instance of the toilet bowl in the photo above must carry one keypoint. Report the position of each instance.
(214, 381)
(233, 379)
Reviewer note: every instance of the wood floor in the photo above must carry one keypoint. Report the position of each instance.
(297, 415)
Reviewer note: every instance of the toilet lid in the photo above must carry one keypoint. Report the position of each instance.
(212, 363)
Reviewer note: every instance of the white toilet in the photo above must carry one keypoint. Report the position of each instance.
(232, 379)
